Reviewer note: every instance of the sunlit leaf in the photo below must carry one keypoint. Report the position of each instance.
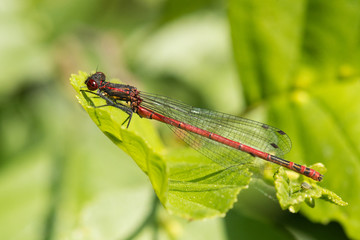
(304, 65)
(192, 187)
(292, 193)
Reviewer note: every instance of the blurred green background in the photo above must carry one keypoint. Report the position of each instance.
(292, 65)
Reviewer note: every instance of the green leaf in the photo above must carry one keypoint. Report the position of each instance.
(265, 57)
(292, 193)
(304, 65)
(186, 183)
(203, 186)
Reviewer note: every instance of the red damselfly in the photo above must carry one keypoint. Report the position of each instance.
(227, 140)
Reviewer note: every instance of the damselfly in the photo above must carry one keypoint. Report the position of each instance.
(227, 140)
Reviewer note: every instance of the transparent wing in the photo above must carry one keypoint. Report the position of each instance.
(252, 133)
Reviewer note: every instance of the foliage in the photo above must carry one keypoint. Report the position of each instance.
(304, 64)
(296, 67)
(189, 186)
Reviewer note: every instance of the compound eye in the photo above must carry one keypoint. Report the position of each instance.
(91, 84)
(100, 76)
